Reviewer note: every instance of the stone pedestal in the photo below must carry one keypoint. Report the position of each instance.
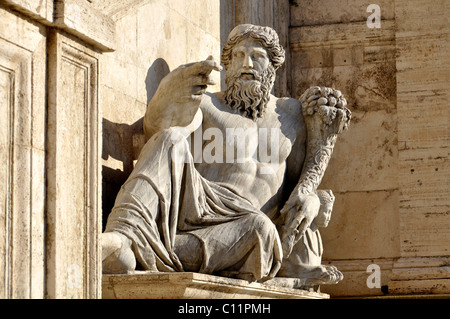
(147, 285)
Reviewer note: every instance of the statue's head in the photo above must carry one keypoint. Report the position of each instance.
(251, 57)
(326, 198)
(265, 36)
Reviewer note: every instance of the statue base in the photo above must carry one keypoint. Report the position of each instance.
(188, 285)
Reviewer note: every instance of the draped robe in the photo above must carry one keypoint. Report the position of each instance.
(165, 197)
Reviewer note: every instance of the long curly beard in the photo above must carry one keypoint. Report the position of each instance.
(249, 97)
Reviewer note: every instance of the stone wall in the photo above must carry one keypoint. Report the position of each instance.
(22, 155)
(423, 69)
(389, 171)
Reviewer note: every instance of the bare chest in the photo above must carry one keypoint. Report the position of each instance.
(228, 137)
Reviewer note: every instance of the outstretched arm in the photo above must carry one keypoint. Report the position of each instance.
(177, 100)
(326, 116)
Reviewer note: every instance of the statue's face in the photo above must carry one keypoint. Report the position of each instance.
(249, 57)
(324, 216)
(249, 79)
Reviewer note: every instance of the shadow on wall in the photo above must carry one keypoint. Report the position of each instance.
(155, 74)
(123, 142)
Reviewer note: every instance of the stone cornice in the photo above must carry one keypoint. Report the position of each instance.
(76, 17)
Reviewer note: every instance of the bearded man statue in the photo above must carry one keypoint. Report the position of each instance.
(224, 217)
(250, 93)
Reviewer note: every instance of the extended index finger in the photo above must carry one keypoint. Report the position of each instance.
(206, 67)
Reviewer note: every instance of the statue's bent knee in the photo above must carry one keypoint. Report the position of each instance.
(117, 255)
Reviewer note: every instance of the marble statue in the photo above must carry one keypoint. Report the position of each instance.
(226, 183)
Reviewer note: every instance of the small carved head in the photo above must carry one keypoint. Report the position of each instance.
(326, 198)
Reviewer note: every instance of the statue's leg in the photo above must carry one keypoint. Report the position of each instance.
(134, 224)
(117, 256)
(189, 250)
(253, 246)
(242, 248)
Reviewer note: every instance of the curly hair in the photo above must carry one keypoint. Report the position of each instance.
(265, 36)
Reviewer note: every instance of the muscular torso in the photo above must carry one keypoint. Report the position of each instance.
(253, 169)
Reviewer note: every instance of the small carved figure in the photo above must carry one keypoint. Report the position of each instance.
(305, 261)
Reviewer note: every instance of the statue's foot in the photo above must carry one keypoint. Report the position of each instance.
(117, 256)
(323, 275)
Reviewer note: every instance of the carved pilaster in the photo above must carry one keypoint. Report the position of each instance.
(73, 216)
(22, 120)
